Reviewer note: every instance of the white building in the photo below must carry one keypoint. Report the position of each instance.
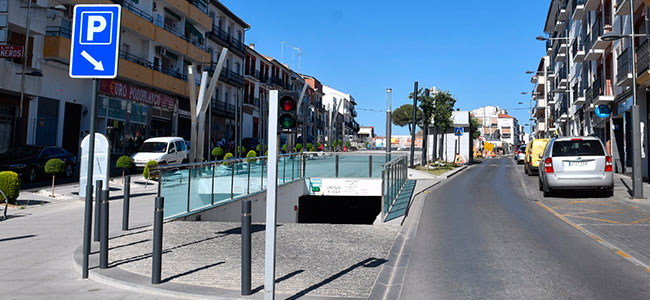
(497, 126)
(343, 113)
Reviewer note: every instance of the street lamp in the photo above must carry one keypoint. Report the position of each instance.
(24, 73)
(389, 100)
(637, 182)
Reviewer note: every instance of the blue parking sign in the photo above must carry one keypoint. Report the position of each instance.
(95, 41)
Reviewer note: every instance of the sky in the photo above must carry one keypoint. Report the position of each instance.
(479, 51)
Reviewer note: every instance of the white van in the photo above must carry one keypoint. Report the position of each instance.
(164, 150)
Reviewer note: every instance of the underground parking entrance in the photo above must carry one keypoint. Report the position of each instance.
(338, 209)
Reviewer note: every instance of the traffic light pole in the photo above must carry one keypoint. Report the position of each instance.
(271, 195)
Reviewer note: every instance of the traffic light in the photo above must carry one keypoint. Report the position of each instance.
(287, 112)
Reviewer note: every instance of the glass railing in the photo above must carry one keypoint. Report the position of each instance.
(191, 187)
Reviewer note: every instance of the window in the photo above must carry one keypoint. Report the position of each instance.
(180, 145)
(578, 148)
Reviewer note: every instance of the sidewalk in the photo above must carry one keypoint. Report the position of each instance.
(38, 241)
(618, 222)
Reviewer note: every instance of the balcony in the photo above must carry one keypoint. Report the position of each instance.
(643, 63)
(252, 75)
(624, 71)
(541, 127)
(225, 40)
(579, 10)
(578, 50)
(564, 11)
(231, 77)
(539, 84)
(592, 5)
(551, 71)
(597, 32)
(560, 25)
(579, 95)
(549, 47)
(563, 82)
(57, 43)
(601, 92)
(593, 53)
(224, 108)
(540, 107)
(564, 46)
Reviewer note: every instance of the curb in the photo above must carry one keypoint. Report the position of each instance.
(454, 172)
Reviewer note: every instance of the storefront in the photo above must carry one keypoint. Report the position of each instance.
(130, 114)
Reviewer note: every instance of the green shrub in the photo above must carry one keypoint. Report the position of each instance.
(312, 149)
(348, 144)
(124, 162)
(217, 152)
(284, 148)
(150, 164)
(318, 146)
(266, 153)
(334, 144)
(298, 147)
(227, 157)
(242, 150)
(10, 185)
(250, 154)
(54, 166)
(309, 146)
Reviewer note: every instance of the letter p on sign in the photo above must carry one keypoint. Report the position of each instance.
(96, 32)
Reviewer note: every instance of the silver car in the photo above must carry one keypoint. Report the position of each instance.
(575, 163)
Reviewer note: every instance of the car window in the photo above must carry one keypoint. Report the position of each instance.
(179, 146)
(46, 153)
(171, 147)
(578, 148)
(57, 152)
(156, 147)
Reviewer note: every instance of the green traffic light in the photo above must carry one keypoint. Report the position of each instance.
(287, 122)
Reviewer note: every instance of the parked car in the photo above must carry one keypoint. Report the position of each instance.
(532, 157)
(520, 154)
(29, 160)
(164, 150)
(576, 163)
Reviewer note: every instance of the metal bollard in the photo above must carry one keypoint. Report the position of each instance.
(370, 166)
(126, 204)
(156, 266)
(103, 240)
(246, 230)
(337, 166)
(88, 223)
(98, 200)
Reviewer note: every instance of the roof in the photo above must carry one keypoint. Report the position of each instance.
(230, 14)
(506, 116)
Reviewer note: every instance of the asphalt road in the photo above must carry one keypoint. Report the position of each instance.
(480, 238)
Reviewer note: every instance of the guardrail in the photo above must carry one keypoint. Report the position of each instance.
(394, 176)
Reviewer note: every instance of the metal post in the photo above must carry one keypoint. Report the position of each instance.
(370, 166)
(262, 175)
(19, 119)
(284, 169)
(126, 204)
(214, 167)
(189, 188)
(98, 201)
(337, 165)
(88, 216)
(383, 196)
(103, 243)
(271, 196)
(415, 125)
(156, 265)
(232, 180)
(546, 107)
(637, 180)
(246, 230)
(248, 182)
(389, 115)
(293, 167)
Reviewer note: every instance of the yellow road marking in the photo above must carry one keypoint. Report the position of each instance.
(595, 211)
(561, 217)
(640, 220)
(623, 254)
(595, 219)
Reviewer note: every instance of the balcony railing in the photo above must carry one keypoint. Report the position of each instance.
(596, 31)
(202, 6)
(228, 40)
(578, 91)
(575, 3)
(223, 106)
(643, 57)
(57, 31)
(624, 65)
(138, 60)
(134, 9)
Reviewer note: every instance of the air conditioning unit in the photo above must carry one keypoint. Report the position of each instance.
(160, 50)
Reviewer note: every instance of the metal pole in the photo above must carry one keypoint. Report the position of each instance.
(232, 180)
(125, 204)
(103, 243)
(271, 196)
(189, 189)
(370, 166)
(88, 216)
(389, 123)
(248, 182)
(546, 107)
(156, 265)
(214, 167)
(98, 200)
(19, 119)
(246, 230)
(415, 107)
(637, 180)
(337, 165)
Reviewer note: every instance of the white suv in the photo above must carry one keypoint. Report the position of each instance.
(164, 150)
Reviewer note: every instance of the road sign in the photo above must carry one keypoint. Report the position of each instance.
(95, 41)
(458, 131)
(603, 111)
(488, 146)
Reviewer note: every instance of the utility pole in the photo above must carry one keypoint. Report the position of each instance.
(389, 119)
(19, 118)
(425, 133)
(415, 107)
(637, 181)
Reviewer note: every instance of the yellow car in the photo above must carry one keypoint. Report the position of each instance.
(533, 152)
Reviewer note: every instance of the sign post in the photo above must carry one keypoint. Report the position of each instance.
(93, 54)
(271, 195)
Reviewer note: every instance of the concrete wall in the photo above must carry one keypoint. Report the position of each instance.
(288, 196)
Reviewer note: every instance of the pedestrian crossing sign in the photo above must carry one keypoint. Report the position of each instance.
(458, 131)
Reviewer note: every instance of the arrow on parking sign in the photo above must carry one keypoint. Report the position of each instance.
(98, 64)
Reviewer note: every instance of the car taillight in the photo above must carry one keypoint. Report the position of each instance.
(548, 165)
(608, 164)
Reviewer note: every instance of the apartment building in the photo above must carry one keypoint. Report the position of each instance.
(497, 127)
(342, 110)
(318, 114)
(582, 73)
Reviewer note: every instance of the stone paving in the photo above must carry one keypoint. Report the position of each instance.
(312, 259)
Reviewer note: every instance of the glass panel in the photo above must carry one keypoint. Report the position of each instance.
(222, 182)
(320, 166)
(174, 189)
(378, 162)
(241, 178)
(255, 183)
(353, 166)
(201, 187)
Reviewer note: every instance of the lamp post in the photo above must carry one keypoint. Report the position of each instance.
(389, 100)
(637, 181)
(567, 67)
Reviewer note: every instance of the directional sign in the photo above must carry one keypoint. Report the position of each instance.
(458, 131)
(95, 41)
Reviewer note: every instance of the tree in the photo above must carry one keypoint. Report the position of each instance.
(251, 154)
(444, 106)
(473, 127)
(217, 152)
(149, 168)
(54, 166)
(403, 116)
(124, 162)
(298, 147)
(226, 158)
(10, 186)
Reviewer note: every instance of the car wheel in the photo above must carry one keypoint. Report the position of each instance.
(541, 186)
(525, 170)
(69, 170)
(548, 193)
(31, 174)
(530, 172)
(609, 193)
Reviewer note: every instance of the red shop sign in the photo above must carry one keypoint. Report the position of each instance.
(7, 51)
(131, 92)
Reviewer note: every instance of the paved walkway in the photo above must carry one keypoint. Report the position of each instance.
(617, 222)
